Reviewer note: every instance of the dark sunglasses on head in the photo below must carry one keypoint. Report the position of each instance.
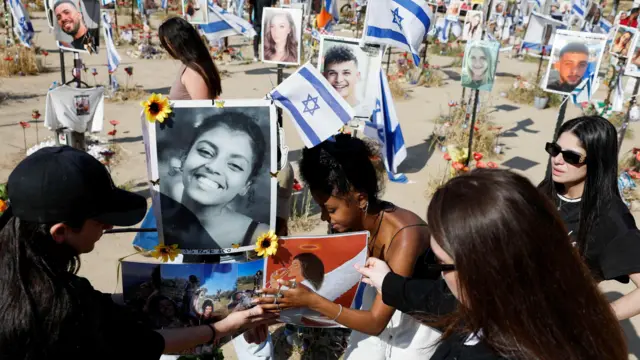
(441, 267)
(570, 156)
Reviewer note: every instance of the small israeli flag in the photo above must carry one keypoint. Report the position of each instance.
(316, 108)
(578, 9)
(332, 8)
(223, 24)
(23, 28)
(399, 23)
(385, 128)
(113, 58)
(164, 4)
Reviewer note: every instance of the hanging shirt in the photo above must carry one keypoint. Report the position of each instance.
(80, 110)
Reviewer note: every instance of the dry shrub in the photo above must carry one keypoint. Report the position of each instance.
(125, 94)
(451, 48)
(525, 91)
(617, 118)
(300, 219)
(397, 90)
(18, 59)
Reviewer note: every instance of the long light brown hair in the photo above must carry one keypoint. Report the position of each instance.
(291, 46)
(524, 289)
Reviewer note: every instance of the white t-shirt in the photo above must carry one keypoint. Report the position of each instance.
(80, 110)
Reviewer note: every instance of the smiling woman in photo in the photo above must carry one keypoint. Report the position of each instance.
(221, 163)
(478, 68)
(280, 41)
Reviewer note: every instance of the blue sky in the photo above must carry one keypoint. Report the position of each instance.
(250, 268)
(220, 276)
(182, 271)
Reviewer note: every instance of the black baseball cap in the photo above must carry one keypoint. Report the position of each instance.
(63, 184)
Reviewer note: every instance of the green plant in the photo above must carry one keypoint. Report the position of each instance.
(3, 192)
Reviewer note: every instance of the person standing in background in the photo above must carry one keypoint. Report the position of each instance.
(255, 9)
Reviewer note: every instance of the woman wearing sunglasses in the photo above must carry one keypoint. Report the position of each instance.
(583, 185)
(500, 244)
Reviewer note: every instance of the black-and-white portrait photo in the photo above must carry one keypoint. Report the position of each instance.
(214, 166)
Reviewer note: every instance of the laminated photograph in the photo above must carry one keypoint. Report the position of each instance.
(479, 64)
(76, 24)
(281, 32)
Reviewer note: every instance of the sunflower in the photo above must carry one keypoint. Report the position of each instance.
(156, 108)
(267, 244)
(166, 253)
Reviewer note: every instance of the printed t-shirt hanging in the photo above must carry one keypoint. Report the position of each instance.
(77, 109)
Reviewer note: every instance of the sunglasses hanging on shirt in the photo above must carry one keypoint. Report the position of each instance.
(570, 156)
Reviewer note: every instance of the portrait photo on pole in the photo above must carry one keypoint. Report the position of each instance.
(575, 58)
(351, 70)
(151, 6)
(76, 24)
(540, 33)
(479, 64)
(214, 165)
(498, 9)
(325, 265)
(169, 296)
(281, 32)
(632, 67)
(622, 41)
(472, 29)
(195, 11)
(453, 10)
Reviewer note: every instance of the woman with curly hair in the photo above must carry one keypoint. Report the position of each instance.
(280, 40)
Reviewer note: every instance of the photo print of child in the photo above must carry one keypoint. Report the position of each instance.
(352, 71)
(195, 11)
(325, 265)
(479, 64)
(76, 24)
(622, 41)
(217, 195)
(170, 296)
(472, 29)
(575, 56)
(633, 59)
(281, 32)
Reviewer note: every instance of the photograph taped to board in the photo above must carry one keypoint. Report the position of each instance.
(352, 70)
(479, 64)
(324, 264)
(472, 29)
(575, 57)
(75, 23)
(169, 296)
(214, 166)
(632, 67)
(195, 11)
(622, 41)
(281, 36)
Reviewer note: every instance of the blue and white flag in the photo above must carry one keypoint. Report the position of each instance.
(332, 8)
(164, 4)
(223, 24)
(318, 111)
(239, 8)
(107, 2)
(23, 27)
(113, 58)
(399, 23)
(385, 128)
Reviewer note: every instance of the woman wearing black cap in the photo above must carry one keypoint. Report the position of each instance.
(61, 200)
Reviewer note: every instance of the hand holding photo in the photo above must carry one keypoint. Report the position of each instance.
(622, 41)
(479, 64)
(76, 24)
(575, 57)
(281, 31)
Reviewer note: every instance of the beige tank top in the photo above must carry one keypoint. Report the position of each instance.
(178, 91)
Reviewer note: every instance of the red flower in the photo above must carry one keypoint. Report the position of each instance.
(635, 150)
(456, 165)
(8, 58)
(447, 157)
(129, 70)
(638, 156)
(492, 165)
(480, 165)
(24, 124)
(634, 174)
(477, 156)
(584, 104)
(296, 185)
(426, 66)
(476, 128)
(112, 132)
(405, 55)
(45, 52)
(465, 169)
(35, 114)
(409, 61)
(461, 54)
(114, 122)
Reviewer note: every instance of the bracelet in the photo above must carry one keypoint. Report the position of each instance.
(214, 333)
(339, 312)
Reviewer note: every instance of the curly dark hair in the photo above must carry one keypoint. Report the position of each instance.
(344, 165)
(339, 54)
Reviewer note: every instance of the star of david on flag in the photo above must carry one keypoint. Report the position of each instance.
(399, 23)
(317, 110)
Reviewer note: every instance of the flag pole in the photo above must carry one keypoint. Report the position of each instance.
(388, 59)
(280, 78)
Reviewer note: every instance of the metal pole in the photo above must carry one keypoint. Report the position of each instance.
(559, 121)
(280, 78)
(388, 59)
(6, 11)
(473, 124)
(62, 74)
(133, 19)
(625, 123)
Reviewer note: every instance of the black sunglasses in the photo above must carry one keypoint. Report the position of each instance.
(441, 267)
(570, 156)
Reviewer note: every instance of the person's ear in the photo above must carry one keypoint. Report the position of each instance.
(362, 200)
(58, 232)
(246, 188)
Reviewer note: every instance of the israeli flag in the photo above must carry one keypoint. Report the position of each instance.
(332, 8)
(605, 25)
(164, 4)
(385, 128)
(23, 27)
(107, 2)
(317, 110)
(399, 23)
(113, 58)
(223, 23)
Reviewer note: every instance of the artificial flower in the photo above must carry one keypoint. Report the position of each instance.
(492, 165)
(456, 165)
(45, 52)
(166, 253)
(94, 71)
(129, 70)
(3, 206)
(114, 122)
(638, 156)
(296, 185)
(452, 103)
(267, 244)
(35, 114)
(156, 108)
(8, 58)
(634, 174)
(447, 157)
(636, 150)
(24, 124)
(480, 165)
(476, 128)
(477, 156)
(112, 132)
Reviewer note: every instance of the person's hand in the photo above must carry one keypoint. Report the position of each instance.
(297, 296)
(257, 335)
(374, 272)
(246, 319)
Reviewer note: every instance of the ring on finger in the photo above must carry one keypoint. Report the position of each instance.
(278, 305)
(275, 300)
(293, 285)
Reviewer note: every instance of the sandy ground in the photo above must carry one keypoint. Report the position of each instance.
(523, 143)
